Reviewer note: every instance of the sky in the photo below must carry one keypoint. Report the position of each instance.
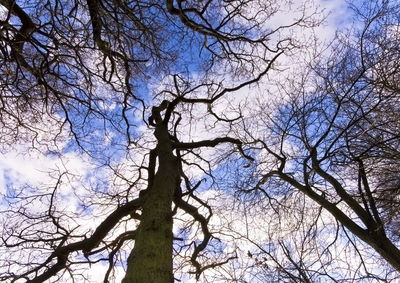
(20, 166)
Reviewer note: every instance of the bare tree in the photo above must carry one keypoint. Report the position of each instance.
(336, 138)
(76, 71)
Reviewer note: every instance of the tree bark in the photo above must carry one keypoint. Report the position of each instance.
(151, 258)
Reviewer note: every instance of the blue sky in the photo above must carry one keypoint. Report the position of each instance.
(109, 161)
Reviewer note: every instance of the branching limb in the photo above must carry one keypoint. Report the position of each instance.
(61, 253)
(193, 211)
(212, 143)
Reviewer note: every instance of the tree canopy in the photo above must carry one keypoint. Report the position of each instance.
(217, 141)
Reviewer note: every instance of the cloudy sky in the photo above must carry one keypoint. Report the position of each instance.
(22, 167)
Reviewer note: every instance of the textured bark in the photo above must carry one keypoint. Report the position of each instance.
(151, 257)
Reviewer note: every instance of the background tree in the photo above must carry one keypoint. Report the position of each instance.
(335, 140)
(75, 78)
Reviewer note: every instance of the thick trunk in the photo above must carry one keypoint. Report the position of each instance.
(385, 248)
(151, 257)
(377, 240)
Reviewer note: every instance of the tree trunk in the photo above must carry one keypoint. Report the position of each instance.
(151, 257)
(376, 239)
(386, 249)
